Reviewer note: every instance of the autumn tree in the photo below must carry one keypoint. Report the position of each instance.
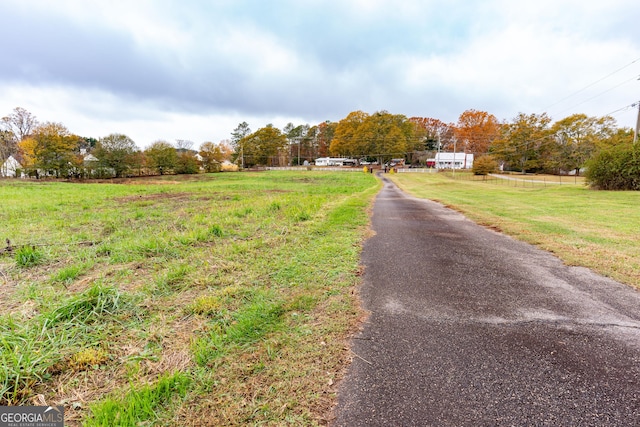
(577, 138)
(621, 136)
(27, 149)
(428, 132)
(475, 131)
(115, 152)
(347, 139)
(386, 135)
(484, 165)
(211, 156)
(264, 146)
(55, 148)
(522, 142)
(382, 135)
(162, 157)
(322, 135)
(139, 163)
(187, 163)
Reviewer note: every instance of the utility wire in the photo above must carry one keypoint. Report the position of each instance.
(592, 84)
(625, 108)
(600, 94)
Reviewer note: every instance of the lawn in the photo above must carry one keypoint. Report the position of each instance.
(221, 299)
(595, 229)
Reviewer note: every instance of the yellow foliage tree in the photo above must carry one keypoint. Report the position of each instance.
(348, 139)
(27, 148)
(54, 148)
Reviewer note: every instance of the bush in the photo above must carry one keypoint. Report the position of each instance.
(617, 168)
(27, 256)
(484, 166)
(187, 164)
(229, 167)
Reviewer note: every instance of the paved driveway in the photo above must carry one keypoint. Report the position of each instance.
(468, 327)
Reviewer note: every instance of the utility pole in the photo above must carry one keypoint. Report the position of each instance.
(438, 154)
(455, 140)
(635, 135)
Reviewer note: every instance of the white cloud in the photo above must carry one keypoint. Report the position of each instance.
(193, 70)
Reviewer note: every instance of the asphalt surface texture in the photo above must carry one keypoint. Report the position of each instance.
(468, 327)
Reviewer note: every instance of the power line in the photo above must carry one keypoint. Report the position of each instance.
(625, 108)
(592, 84)
(600, 94)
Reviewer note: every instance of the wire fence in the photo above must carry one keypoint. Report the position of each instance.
(506, 179)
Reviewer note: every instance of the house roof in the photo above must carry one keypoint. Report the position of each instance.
(11, 161)
(452, 156)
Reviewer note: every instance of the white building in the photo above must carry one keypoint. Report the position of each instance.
(453, 161)
(335, 161)
(9, 167)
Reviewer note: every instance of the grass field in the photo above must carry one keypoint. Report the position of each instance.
(595, 229)
(218, 299)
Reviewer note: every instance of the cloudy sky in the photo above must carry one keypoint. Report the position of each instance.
(195, 69)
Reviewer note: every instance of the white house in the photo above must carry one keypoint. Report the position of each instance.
(453, 161)
(9, 167)
(90, 158)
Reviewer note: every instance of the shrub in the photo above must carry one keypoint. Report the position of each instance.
(229, 167)
(617, 168)
(187, 164)
(484, 165)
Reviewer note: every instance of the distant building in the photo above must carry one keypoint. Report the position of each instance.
(335, 161)
(10, 167)
(90, 158)
(451, 161)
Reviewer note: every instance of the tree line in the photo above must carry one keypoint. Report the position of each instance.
(50, 149)
(525, 143)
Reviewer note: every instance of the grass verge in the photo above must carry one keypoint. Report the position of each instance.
(595, 229)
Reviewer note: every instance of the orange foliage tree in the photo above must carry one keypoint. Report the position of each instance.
(476, 130)
(428, 132)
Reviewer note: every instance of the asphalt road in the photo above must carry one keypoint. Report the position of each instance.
(468, 327)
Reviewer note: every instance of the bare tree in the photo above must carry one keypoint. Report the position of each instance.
(7, 144)
(184, 144)
(21, 123)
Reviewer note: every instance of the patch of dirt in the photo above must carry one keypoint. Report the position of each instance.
(143, 180)
(155, 196)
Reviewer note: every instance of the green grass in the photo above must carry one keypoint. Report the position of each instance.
(32, 350)
(147, 404)
(595, 229)
(241, 283)
(27, 256)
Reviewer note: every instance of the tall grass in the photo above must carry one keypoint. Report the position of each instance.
(229, 280)
(30, 349)
(141, 405)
